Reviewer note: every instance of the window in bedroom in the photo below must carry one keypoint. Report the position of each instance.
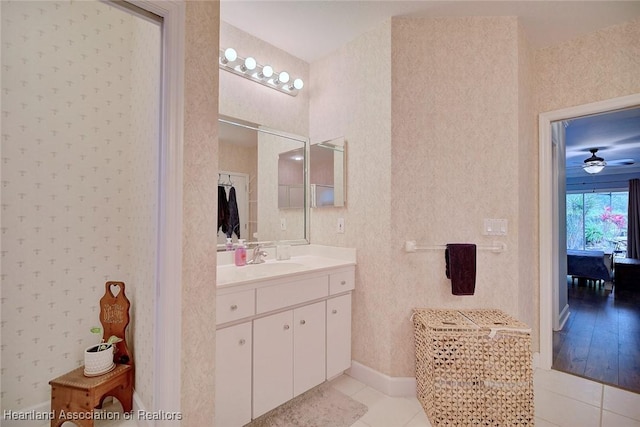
(597, 221)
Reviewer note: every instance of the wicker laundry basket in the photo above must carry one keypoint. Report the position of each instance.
(473, 368)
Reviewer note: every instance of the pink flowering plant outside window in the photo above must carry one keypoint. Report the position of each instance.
(614, 226)
(614, 223)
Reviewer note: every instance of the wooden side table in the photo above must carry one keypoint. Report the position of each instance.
(74, 396)
(627, 274)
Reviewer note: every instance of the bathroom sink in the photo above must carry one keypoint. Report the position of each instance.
(250, 272)
(273, 269)
(230, 275)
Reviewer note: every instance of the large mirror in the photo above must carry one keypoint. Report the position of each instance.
(249, 189)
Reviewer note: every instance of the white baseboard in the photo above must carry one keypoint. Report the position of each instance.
(43, 410)
(536, 360)
(564, 316)
(396, 386)
(138, 406)
(391, 386)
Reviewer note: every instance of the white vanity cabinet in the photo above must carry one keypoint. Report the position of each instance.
(233, 375)
(272, 362)
(299, 335)
(309, 347)
(338, 335)
(288, 355)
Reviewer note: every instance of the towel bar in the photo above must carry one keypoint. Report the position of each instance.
(412, 246)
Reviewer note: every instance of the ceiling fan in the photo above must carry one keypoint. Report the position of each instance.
(596, 164)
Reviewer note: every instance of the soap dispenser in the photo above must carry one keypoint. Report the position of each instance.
(229, 244)
(241, 253)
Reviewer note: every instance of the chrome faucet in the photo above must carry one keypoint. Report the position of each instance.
(258, 253)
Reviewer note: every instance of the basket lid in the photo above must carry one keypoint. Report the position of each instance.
(469, 319)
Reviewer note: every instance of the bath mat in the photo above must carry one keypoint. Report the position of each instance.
(322, 406)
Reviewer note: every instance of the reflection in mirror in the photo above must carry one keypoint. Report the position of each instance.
(327, 173)
(291, 179)
(249, 157)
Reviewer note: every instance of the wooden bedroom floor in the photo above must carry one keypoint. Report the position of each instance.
(601, 339)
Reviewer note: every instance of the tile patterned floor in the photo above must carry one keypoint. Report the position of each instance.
(561, 400)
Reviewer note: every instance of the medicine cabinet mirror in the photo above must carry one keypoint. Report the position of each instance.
(249, 190)
(327, 175)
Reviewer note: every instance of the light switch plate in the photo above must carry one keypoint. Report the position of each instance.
(340, 226)
(495, 227)
(283, 224)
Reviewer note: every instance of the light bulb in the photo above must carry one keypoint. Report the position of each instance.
(250, 63)
(298, 84)
(230, 55)
(267, 71)
(283, 77)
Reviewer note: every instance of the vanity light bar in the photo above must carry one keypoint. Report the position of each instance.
(249, 68)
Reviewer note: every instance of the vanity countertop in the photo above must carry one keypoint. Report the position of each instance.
(305, 259)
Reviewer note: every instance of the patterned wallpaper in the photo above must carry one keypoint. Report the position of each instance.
(145, 47)
(416, 128)
(357, 104)
(438, 193)
(446, 157)
(528, 166)
(77, 204)
(598, 66)
(200, 174)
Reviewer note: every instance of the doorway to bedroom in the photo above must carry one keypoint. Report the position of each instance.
(597, 332)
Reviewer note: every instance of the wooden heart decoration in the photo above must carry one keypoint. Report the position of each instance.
(115, 290)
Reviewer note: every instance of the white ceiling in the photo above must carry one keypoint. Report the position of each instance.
(313, 29)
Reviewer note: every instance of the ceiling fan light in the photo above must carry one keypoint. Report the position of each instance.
(594, 167)
(594, 164)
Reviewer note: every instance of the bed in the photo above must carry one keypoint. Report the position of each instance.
(587, 264)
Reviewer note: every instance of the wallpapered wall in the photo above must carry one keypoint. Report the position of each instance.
(431, 179)
(199, 177)
(598, 66)
(78, 186)
(446, 157)
(352, 97)
(528, 307)
(145, 46)
(432, 138)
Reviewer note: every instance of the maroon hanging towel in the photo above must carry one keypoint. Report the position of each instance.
(460, 261)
